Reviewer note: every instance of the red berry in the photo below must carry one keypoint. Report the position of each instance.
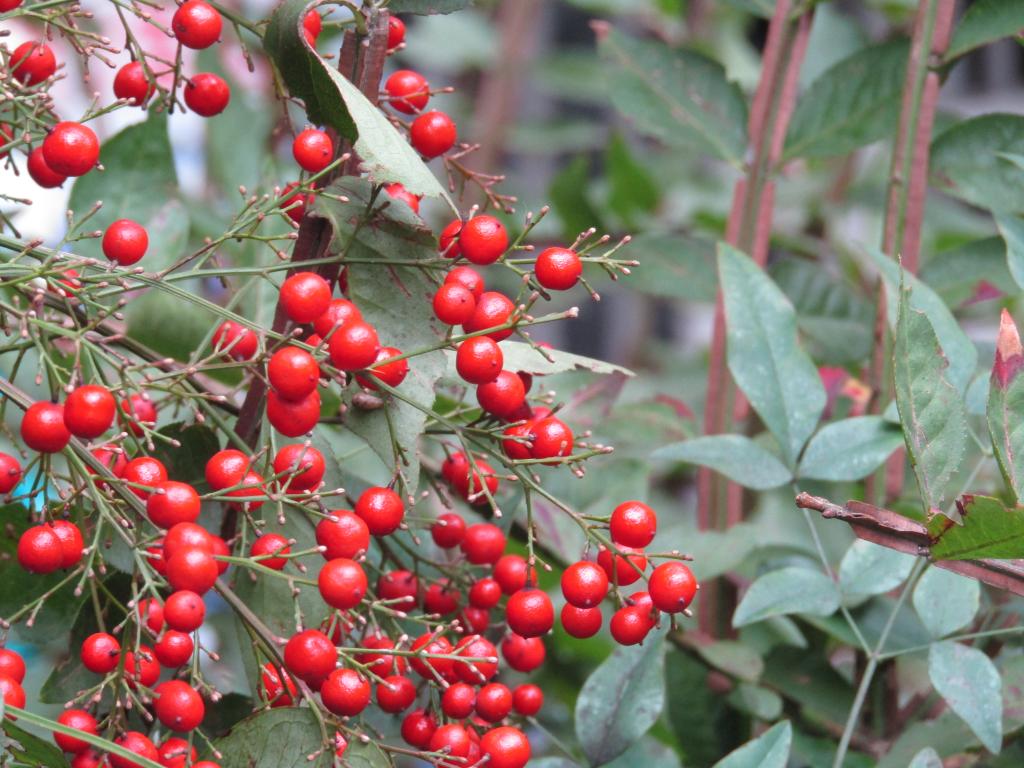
(343, 534)
(511, 572)
(137, 743)
(131, 83)
(185, 536)
(409, 91)
(630, 625)
(483, 239)
(305, 296)
(401, 587)
(551, 438)
(381, 509)
(174, 649)
(342, 583)
(100, 653)
(518, 449)
(184, 611)
(584, 584)
(523, 654)
(395, 694)
(251, 493)
(237, 340)
(633, 524)
(453, 740)
(11, 692)
(310, 655)
(485, 593)
(383, 664)
(146, 472)
(454, 304)
(271, 544)
(392, 373)
(505, 747)
(492, 309)
(71, 542)
(313, 150)
(273, 687)
(192, 569)
(293, 373)
(672, 587)
(39, 550)
(471, 485)
(175, 751)
(41, 173)
(220, 547)
(312, 23)
(432, 134)
(530, 613)
(396, 32)
(345, 692)
(479, 360)
(89, 411)
(151, 613)
(178, 705)
(502, 397)
(71, 149)
(226, 469)
(300, 467)
(353, 346)
(10, 473)
(427, 667)
(125, 242)
(12, 665)
(494, 702)
(171, 503)
(398, 191)
(448, 241)
(459, 701)
(418, 727)
(80, 720)
(206, 94)
(476, 647)
(528, 699)
(483, 544)
(338, 313)
(42, 428)
(32, 63)
(558, 269)
(141, 667)
(448, 531)
(581, 622)
(293, 418)
(622, 572)
(196, 24)
(138, 411)
(468, 278)
(441, 598)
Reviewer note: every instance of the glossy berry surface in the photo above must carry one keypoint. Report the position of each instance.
(432, 134)
(345, 692)
(672, 587)
(207, 94)
(130, 83)
(89, 411)
(409, 91)
(31, 63)
(125, 242)
(305, 296)
(454, 304)
(313, 150)
(381, 509)
(483, 239)
(584, 584)
(184, 611)
(558, 269)
(239, 342)
(293, 373)
(71, 149)
(633, 524)
(196, 24)
(343, 534)
(293, 418)
(479, 360)
(396, 32)
(353, 346)
(530, 613)
(385, 369)
(43, 429)
(342, 583)
(39, 550)
(41, 173)
(310, 655)
(302, 467)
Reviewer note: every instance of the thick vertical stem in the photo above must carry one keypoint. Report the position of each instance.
(749, 228)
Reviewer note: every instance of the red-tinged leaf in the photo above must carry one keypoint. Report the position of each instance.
(989, 530)
(1006, 405)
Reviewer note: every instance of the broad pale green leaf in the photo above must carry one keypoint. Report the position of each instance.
(735, 658)
(836, 322)
(769, 750)
(27, 750)
(855, 102)
(989, 530)
(332, 99)
(621, 700)
(423, 7)
(1005, 411)
(648, 752)
(674, 266)
(737, 457)
(926, 758)
(946, 601)
(869, 569)
(787, 590)
(985, 22)
(520, 356)
(764, 354)
(960, 352)
(931, 409)
(756, 701)
(967, 162)
(970, 683)
(850, 449)
(679, 97)
(395, 299)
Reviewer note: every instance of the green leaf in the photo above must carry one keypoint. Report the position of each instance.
(931, 409)
(853, 103)
(395, 299)
(869, 569)
(648, 752)
(769, 750)
(1012, 230)
(985, 22)
(850, 449)
(960, 352)
(734, 658)
(423, 7)
(571, 198)
(756, 701)
(674, 266)
(186, 462)
(697, 716)
(955, 273)
(969, 682)
(677, 96)
(787, 590)
(989, 530)
(631, 188)
(520, 356)
(967, 162)
(926, 758)
(764, 355)
(1005, 411)
(331, 99)
(946, 601)
(737, 457)
(621, 700)
(28, 750)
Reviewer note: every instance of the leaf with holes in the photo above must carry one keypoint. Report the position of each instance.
(970, 683)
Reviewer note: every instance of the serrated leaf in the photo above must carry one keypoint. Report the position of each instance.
(970, 683)
(677, 96)
(769, 750)
(395, 299)
(855, 102)
(985, 22)
(1005, 411)
(1012, 230)
(621, 699)
(28, 750)
(764, 354)
(785, 591)
(736, 456)
(869, 569)
(946, 601)
(989, 530)
(968, 161)
(331, 99)
(424, 7)
(932, 412)
(850, 449)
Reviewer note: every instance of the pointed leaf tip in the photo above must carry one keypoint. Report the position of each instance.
(1009, 352)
